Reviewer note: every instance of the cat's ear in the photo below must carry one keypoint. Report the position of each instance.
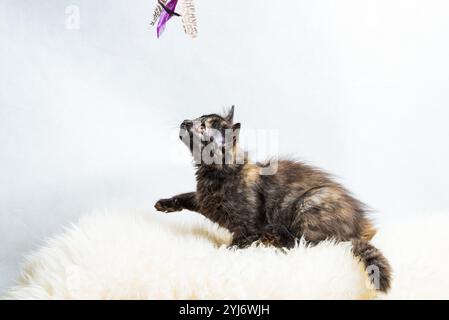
(236, 126)
(230, 115)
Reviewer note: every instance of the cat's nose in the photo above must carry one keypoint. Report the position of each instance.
(187, 124)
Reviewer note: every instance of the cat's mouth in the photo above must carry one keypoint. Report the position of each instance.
(186, 135)
(185, 129)
(183, 133)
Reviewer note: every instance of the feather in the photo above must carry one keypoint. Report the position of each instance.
(189, 18)
(165, 16)
(157, 12)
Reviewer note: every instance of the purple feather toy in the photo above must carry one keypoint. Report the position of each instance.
(164, 11)
(166, 14)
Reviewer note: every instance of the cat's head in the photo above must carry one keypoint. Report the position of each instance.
(211, 137)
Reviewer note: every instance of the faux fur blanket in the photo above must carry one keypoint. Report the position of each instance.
(129, 255)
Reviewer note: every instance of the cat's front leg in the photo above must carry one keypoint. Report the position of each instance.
(177, 203)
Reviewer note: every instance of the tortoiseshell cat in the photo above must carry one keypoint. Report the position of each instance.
(296, 201)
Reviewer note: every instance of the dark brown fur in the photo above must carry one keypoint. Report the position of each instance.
(298, 201)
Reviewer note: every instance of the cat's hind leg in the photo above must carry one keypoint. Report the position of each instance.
(277, 235)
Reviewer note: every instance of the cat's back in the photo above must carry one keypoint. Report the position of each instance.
(297, 175)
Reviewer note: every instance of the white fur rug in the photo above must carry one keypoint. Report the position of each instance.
(114, 255)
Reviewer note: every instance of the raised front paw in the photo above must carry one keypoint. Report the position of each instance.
(167, 205)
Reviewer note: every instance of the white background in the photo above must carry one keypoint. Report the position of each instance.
(360, 88)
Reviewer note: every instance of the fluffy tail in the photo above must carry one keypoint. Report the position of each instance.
(377, 266)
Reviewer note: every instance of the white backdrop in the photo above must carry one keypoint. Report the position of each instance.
(360, 88)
